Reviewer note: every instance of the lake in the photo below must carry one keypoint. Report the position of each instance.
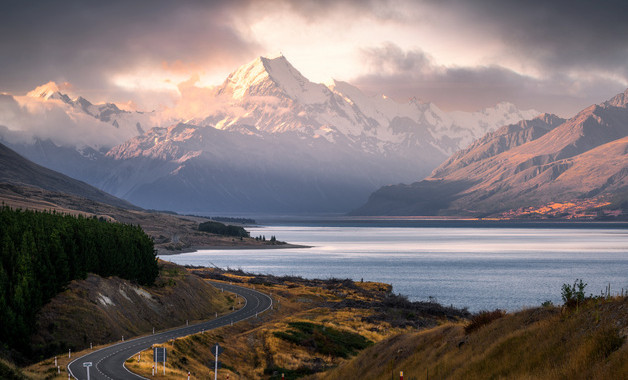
(479, 266)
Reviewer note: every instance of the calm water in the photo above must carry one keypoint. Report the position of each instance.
(479, 268)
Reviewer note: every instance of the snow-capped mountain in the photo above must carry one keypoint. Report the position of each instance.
(267, 139)
(125, 124)
(273, 96)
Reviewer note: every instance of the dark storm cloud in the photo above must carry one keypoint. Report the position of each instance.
(407, 74)
(85, 41)
(557, 34)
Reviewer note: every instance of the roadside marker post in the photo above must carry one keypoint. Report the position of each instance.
(58, 370)
(216, 351)
(90, 345)
(188, 375)
(401, 375)
(70, 353)
(153, 369)
(56, 361)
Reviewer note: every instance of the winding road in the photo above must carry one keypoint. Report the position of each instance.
(108, 362)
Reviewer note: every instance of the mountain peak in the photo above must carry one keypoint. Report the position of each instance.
(45, 91)
(619, 100)
(273, 76)
(245, 77)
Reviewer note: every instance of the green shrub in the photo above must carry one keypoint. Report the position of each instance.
(325, 340)
(573, 295)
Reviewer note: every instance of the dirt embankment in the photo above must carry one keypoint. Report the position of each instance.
(99, 310)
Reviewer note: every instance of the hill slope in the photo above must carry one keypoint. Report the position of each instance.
(15, 169)
(101, 310)
(583, 160)
(541, 343)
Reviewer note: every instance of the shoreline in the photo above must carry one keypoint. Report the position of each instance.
(166, 252)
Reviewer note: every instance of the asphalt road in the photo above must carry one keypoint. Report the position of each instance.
(108, 362)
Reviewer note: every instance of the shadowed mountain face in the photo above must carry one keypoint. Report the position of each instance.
(529, 164)
(15, 169)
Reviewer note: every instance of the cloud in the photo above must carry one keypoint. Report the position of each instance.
(405, 74)
(556, 35)
(88, 42)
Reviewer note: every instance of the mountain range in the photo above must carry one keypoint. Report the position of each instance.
(546, 166)
(265, 140)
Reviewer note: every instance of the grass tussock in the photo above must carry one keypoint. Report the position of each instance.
(483, 318)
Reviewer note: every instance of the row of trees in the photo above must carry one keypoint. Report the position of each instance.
(41, 252)
(223, 229)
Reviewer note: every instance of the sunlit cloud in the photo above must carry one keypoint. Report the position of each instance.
(544, 55)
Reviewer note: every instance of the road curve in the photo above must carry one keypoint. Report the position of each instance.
(108, 362)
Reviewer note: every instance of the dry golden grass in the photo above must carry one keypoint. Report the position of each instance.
(542, 343)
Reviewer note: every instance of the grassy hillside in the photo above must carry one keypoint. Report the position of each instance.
(588, 342)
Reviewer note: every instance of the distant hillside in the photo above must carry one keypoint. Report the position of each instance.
(15, 169)
(545, 166)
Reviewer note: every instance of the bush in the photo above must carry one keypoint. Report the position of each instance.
(483, 318)
(573, 295)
